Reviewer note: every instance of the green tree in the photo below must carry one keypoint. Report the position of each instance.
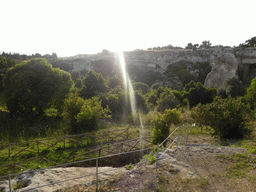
(196, 93)
(114, 81)
(90, 114)
(167, 100)
(234, 87)
(6, 62)
(93, 83)
(251, 42)
(251, 95)
(83, 115)
(34, 85)
(75, 75)
(103, 66)
(226, 116)
(141, 86)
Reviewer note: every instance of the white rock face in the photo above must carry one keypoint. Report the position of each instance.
(47, 178)
(224, 65)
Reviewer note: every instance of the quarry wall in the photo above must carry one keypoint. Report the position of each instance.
(225, 62)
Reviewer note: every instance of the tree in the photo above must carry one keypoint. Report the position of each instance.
(206, 44)
(34, 85)
(75, 75)
(162, 125)
(93, 83)
(251, 42)
(227, 117)
(6, 62)
(141, 86)
(251, 95)
(167, 100)
(234, 87)
(114, 81)
(189, 46)
(196, 93)
(103, 66)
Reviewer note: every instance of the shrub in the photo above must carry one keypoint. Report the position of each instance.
(141, 86)
(162, 125)
(167, 100)
(82, 114)
(196, 93)
(225, 116)
(251, 95)
(89, 115)
(234, 87)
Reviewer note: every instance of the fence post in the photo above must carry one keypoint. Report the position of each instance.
(97, 164)
(10, 184)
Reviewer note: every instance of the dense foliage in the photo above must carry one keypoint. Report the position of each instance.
(234, 87)
(33, 86)
(83, 114)
(162, 125)
(226, 116)
(93, 83)
(196, 93)
(250, 97)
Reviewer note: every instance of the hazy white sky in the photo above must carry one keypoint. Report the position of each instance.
(88, 26)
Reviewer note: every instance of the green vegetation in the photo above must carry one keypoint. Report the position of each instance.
(40, 101)
(33, 86)
(226, 116)
(129, 167)
(162, 125)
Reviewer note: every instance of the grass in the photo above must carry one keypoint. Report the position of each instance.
(59, 151)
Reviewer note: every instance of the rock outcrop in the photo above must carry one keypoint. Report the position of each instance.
(58, 178)
(225, 62)
(224, 65)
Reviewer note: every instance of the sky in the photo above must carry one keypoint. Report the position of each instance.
(76, 27)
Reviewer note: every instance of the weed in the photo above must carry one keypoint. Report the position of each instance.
(224, 143)
(152, 160)
(203, 183)
(18, 185)
(251, 179)
(129, 167)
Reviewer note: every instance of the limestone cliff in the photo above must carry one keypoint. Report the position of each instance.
(247, 65)
(224, 65)
(225, 62)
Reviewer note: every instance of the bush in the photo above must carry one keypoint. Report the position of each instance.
(225, 116)
(234, 87)
(82, 114)
(167, 100)
(251, 95)
(196, 93)
(162, 125)
(141, 86)
(90, 114)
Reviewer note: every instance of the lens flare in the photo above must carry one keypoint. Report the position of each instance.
(128, 84)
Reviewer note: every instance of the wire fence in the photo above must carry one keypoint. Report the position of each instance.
(17, 156)
(178, 137)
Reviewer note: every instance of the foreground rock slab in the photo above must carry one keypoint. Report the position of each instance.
(51, 180)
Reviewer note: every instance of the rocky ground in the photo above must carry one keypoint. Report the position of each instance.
(189, 164)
